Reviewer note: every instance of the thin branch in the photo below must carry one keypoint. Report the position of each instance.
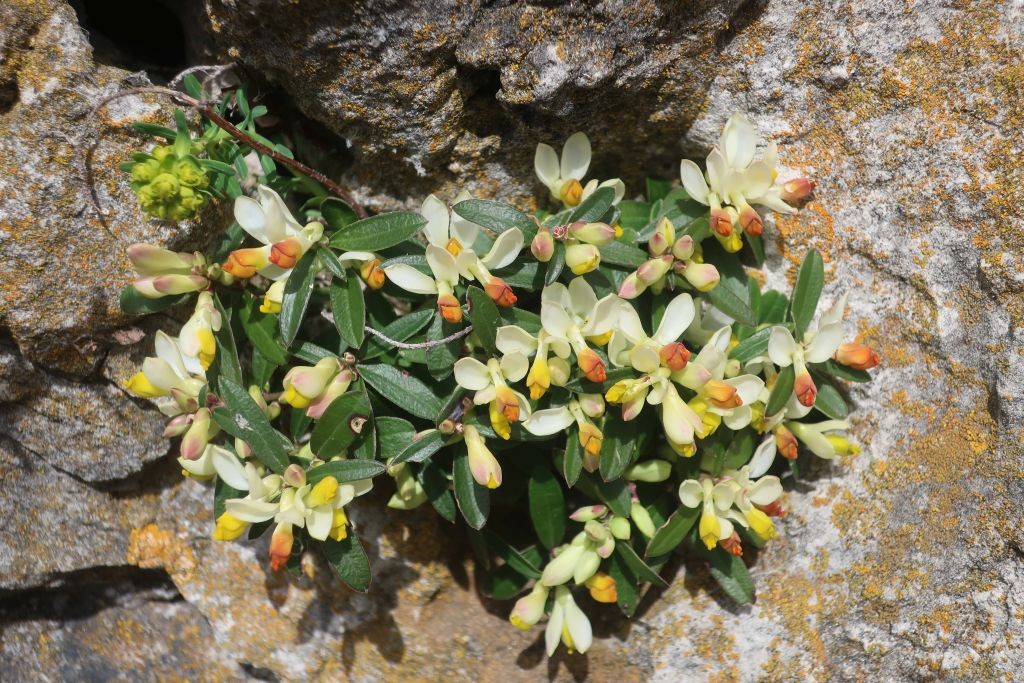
(423, 345)
(213, 69)
(206, 109)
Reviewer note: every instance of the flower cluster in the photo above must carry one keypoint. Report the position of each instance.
(622, 385)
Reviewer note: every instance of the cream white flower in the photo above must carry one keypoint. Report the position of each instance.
(196, 340)
(554, 420)
(450, 254)
(716, 500)
(816, 347)
(482, 464)
(489, 382)
(544, 371)
(567, 624)
(752, 498)
(572, 314)
(284, 240)
(171, 377)
(529, 609)
(734, 181)
(821, 439)
(563, 176)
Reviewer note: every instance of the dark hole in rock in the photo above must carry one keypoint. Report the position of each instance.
(484, 115)
(135, 35)
(8, 95)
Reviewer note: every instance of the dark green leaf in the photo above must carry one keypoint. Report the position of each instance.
(430, 442)
(225, 364)
(261, 330)
(618, 447)
(345, 470)
(772, 308)
(830, 402)
(781, 392)
(732, 298)
(337, 214)
(435, 484)
(134, 303)
(835, 369)
(244, 419)
(593, 207)
(525, 274)
(504, 583)
(643, 572)
(621, 254)
(670, 534)
(349, 560)
(556, 265)
(349, 311)
(732, 575)
(331, 263)
(405, 391)
(394, 434)
(496, 216)
(753, 346)
(581, 385)
(378, 232)
(483, 313)
(572, 462)
(311, 353)
(547, 506)
(513, 558)
(634, 214)
(657, 188)
(333, 432)
(740, 449)
(297, 291)
(806, 291)
(474, 500)
(441, 358)
(757, 249)
(627, 595)
(154, 130)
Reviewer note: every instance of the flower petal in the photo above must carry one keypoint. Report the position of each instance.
(555, 320)
(442, 264)
(834, 314)
(763, 458)
(582, 299)
(690, 493)
(575, 156)
(693, 181)
(229, 468)
(280, 222)
(677, 317)
(718, 172)
(251, 510)
(825, 342)
(738, 141)
(472, 374)
(410, 279)
(765, 491)
(781, 347)
(249, 215)
(436, 213)
(514, 339)
(504, 250)
(548, 421)
(545, 164)
(514, 366)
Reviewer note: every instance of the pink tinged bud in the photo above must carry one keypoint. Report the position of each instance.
(482, 463)
(654, 269)
(582, 258)
(598, 234)
(281, 545)
(187, 403)
(592, 404)
(294, 476)
(683, 248)
(585, 514)
(198, 435)
(796, 189)
(179, 284)
(702, 276)
(177, 426)
(661, 240)
(543, 245)
(529, 609)
(242, 449)
(149, 259)
(338, 386)
(631, 287)
(721, 222)
(750, 221)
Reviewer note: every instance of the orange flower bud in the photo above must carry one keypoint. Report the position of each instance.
(508, 403)
(732, 545)
(243, 263)
(449, 307)
(722, 394)
(805, 390)
(750, 221)
(286, 253)
(602, 588)
(796, 189)
(591, 365)
(857, 356)
(500, 292)
(772, 509)
(281, 546)
(721, 222)
(674, 356)
(372, 274)
(785, 443)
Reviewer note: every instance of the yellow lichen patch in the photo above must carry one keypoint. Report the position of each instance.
(154, 548)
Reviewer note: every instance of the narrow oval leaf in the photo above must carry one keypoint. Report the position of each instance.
(572, 462)
(261, 330)
(483, 313)
(643, 572)
(334, 430)
(547, 506)
(835, 369)
(244, 419)
(670, 534)
(513, 558)
(593, 207)
(435, 484)
(422, 448)
(474, 500)
(225, 363)
(337, 214)
(495, 216)
(621, 254)
(134, 303)
(753, 346)
(378, 232)
(617, 448)
(732, 298)
(297, 291)
(349, 560)
(345, 470)
(772, 308)
(349, 310)
(627, 595)
(405, 391)
(441, 357)
(830, 402)
(781, 391)
(806, 291)
(394, 434)
(732, 575)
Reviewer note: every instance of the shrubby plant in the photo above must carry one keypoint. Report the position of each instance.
(587, 389)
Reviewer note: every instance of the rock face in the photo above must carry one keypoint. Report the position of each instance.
(903, 563)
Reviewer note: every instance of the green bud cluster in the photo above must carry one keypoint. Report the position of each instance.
(168, 187)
